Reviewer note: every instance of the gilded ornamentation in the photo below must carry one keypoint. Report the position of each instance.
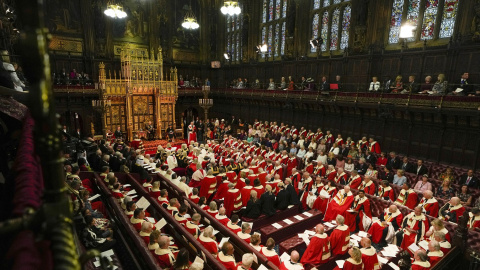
(66, 45)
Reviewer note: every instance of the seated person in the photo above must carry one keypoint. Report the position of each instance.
(232, 224)
(180, 215)
(429, 204)
(253, 209)
(255, 242)
(245, 233)
(445, 246)
(293, 263)
(225, 256)
(435, 253)
(452, 210)
(355, 260)
(221, 217)
(383, 230)
(421, 260)
(164, 255)
(436, 226)
(474, 219)
(145, 232)
(247, 261)
(407, 196)
(93, 239)
(192, 226)
(269, 251)
(207, 239)
(414, 226)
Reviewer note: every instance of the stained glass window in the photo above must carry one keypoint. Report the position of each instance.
(324, 32)
(239, 49)
(347, 14)
(337, 1)
(326, 3)
(228, 24)
(429, 19)
(264, 38)
(264, 16)
(284, 14)
(277, 40)
(316, 4)
(412, 14)
(334, 29)
(448, 19)
(270, 39)
(278, 9)
(395, 21)
(315, 27)
(239, 22)
(270, 11)
(282, 50)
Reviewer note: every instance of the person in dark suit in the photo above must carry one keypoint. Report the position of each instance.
(411, 87)
(406, 166)
(370, 158)
(344, 150)
(118, 133)
(77, 134)
(253, 209)
(292, 194)
(394, 161)
(469, 179)
(386, 174)
(466, 85)
(267, 202)
(361, 166)
(420, 169)
(150, 130)
(281, 202)
(324, 86)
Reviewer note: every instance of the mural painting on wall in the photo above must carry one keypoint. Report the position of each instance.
(135, 26)
(183, 38)
(64, 17)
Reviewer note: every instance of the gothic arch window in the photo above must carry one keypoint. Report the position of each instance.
(331, 22)
(234, 37)
(432, 19)
(274, 14)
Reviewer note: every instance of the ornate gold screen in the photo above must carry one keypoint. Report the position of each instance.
(140, 92)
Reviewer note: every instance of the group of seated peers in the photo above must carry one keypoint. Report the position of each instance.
(235, 180)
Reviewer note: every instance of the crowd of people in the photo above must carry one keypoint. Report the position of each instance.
(11, 74)
(239, 177)
(463, 87)
(73, 78)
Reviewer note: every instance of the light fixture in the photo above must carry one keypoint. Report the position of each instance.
(227, 55)
(190, 21)
(230, 8)
(261, 48)
(406, 31)
(316, 42)
(115, 11)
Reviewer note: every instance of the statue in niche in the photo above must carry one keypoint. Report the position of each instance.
(291, 16)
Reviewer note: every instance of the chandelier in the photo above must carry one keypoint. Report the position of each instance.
(190, 21)
(231, 8)
(115, 11)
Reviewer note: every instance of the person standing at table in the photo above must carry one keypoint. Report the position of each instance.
(340, 237)
(318, 250)
(369, 255)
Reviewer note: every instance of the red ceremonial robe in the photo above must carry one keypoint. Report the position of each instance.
(343, 176)
(319, 170)
(227, 260)
(318, 251)
(260, 190)
(291, 164)
(307, 186)
(208, 243)
(207, 186)
(409, 198)
(222, 219)
(417, 223)
(434, 257)
(473, 221)
(234, 227)
(145, 236)
(165, 257)
(361, 206)
(430, 206)
(181, 219)
(340, 203)
(321, 203)
(289, 265)
(262, 177)
(221, 191)
(192, 228)
(445, 246)
(194, 198)
(458, 210)
(233, 201)
(417, 265)
(369, 187)
(279, 170)
(244, 236)
(309, 168)
(370, 259)
(245, 192)
(386, 192)
(296, 179)
(351, 264)
(339, 240)
(271, 256)
(374, 147)
(137, 223)
(376, 230)
(331, 175)
(354, 183)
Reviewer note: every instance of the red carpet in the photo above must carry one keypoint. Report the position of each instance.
(151, 146)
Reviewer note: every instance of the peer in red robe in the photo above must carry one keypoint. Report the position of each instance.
(340, 239)
(340, 203)
(221, 217)
(232, 225)
(373, 146)
(291, 164)
(209, 244)
(318, 250)
(271, 255)
(227, 260)
(474, 220)
(321, 202)
(369, 258)
(420, 265)
(386, 192)
(379, 229)
(222, 190)
(452, 210)
(355, 180)
(429, 205)
(414, 226)
(351, 264)
(407, 197)
(309, 168)
(319, 170)
(341, 176)
(434, 257)
(233, 201)
(208, 186)
(331, 173)
(245, 192)
(165, 257)
(192, 227)
(192, 135)
(194, 198)
(368, 186)
(354, 216)
(279, 170)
